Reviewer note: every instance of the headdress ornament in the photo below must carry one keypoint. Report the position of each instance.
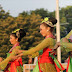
(46, 20)
(17, 32)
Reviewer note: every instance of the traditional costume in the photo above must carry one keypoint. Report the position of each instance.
(46, 62)
(68, 47)
(12, 66)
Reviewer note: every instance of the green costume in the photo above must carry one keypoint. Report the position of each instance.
(46, 43)
(5, 62)
(67, 46)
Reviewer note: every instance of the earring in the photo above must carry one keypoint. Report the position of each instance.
(47, 30)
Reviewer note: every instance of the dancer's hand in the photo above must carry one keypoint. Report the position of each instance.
(20, 55)
(55, 48)
(19, 51)
(14, 58)
(56, 45)
(53, 52)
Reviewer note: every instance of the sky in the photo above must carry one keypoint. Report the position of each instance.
(18, 6)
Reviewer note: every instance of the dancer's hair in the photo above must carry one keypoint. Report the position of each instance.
(19, 33)
(49, 22)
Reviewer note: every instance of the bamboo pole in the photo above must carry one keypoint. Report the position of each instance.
(58, 30)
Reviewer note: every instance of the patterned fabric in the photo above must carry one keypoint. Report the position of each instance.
(45, 45)
(66, 46)
(48, 42)
(45, 61)
(11, 66)
(58, 65)
(47, 67)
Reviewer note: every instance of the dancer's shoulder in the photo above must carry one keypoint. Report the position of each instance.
(17, 47)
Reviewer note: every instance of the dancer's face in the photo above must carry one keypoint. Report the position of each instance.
(13, 40)
(44, 30)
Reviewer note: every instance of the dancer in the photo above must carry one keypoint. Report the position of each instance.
(9, 65)
(66, 44)
(45, 61)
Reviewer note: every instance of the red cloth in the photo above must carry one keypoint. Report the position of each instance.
(58, 69)
(12, 65)
(68, 64)
(44, 58)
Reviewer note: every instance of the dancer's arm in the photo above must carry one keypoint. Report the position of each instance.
(48, 42)
(4, 63)
(68, 35)
(37, 54)
(64, 42)
(66, 46)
